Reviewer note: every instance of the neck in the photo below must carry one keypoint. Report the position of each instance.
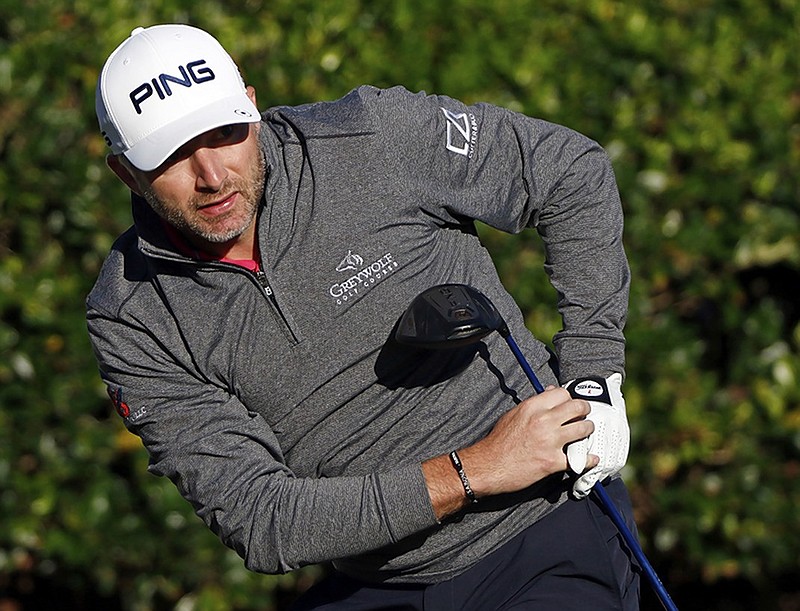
(241, 248)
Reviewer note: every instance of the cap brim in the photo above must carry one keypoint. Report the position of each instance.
(153, 150)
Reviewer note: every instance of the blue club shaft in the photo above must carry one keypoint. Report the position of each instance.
(537, 385)
(602, 496)
(633, 544)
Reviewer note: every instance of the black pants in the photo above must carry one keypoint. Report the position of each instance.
(573, 559)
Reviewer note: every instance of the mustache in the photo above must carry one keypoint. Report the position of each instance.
(215, 198)
(252, 186)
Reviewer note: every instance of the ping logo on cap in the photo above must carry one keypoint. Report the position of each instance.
(195, 72)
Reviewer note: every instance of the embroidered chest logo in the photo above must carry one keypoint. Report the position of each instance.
(462, 132)
(351, 261)
(362, 277)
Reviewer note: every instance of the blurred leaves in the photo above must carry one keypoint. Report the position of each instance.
(698, 103)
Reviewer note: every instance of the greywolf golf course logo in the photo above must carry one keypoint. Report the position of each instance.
(351, 261)
(362, 276)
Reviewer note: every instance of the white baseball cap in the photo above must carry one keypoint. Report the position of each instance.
(163, 86)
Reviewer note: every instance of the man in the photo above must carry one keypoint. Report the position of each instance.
(244, 327)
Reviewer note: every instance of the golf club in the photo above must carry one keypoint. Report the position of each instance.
(450, 315)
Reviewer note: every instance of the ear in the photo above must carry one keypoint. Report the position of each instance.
(251, 93)
(123, 172)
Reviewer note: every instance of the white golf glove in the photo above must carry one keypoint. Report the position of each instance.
(611, 438)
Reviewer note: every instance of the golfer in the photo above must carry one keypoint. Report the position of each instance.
(244, 328)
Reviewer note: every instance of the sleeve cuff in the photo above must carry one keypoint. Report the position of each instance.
(406, 501)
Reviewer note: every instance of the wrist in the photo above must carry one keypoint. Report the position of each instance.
(462, 475)
(444, 486)
(482, 480)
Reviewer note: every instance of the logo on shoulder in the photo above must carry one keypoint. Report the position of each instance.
(462, 132)
(115, 394)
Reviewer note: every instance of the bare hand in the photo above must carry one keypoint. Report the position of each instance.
(527, 443)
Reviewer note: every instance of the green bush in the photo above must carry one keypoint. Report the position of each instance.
(697, 103)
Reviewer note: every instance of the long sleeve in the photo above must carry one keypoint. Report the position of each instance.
(227, 462)
(511, 171)
(290, 420)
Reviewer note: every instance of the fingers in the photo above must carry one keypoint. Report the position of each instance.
(576, 429)
(528, 443)
(563, 408)
(551, 397)
(554, 396)
(578, 456)
(565, 417)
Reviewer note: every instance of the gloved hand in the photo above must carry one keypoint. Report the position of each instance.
(610, 440)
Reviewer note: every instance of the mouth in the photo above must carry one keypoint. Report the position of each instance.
(218, 207)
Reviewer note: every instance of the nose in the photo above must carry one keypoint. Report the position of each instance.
(209, 169)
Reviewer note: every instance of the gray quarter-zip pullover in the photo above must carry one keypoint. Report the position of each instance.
(278, 403)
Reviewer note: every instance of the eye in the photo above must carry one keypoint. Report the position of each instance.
(232, 133)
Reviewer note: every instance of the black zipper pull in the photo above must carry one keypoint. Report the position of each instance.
(262, 280)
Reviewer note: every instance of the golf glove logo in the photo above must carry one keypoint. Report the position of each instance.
(610, 440)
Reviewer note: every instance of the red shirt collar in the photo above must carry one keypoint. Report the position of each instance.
(187, 249)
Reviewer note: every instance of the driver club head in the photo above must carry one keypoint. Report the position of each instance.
(447, 316)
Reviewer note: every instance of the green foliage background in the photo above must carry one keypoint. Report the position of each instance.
(698, 103)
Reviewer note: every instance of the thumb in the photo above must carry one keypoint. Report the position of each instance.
(578, 455)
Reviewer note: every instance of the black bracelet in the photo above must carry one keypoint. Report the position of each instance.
(464, 481)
